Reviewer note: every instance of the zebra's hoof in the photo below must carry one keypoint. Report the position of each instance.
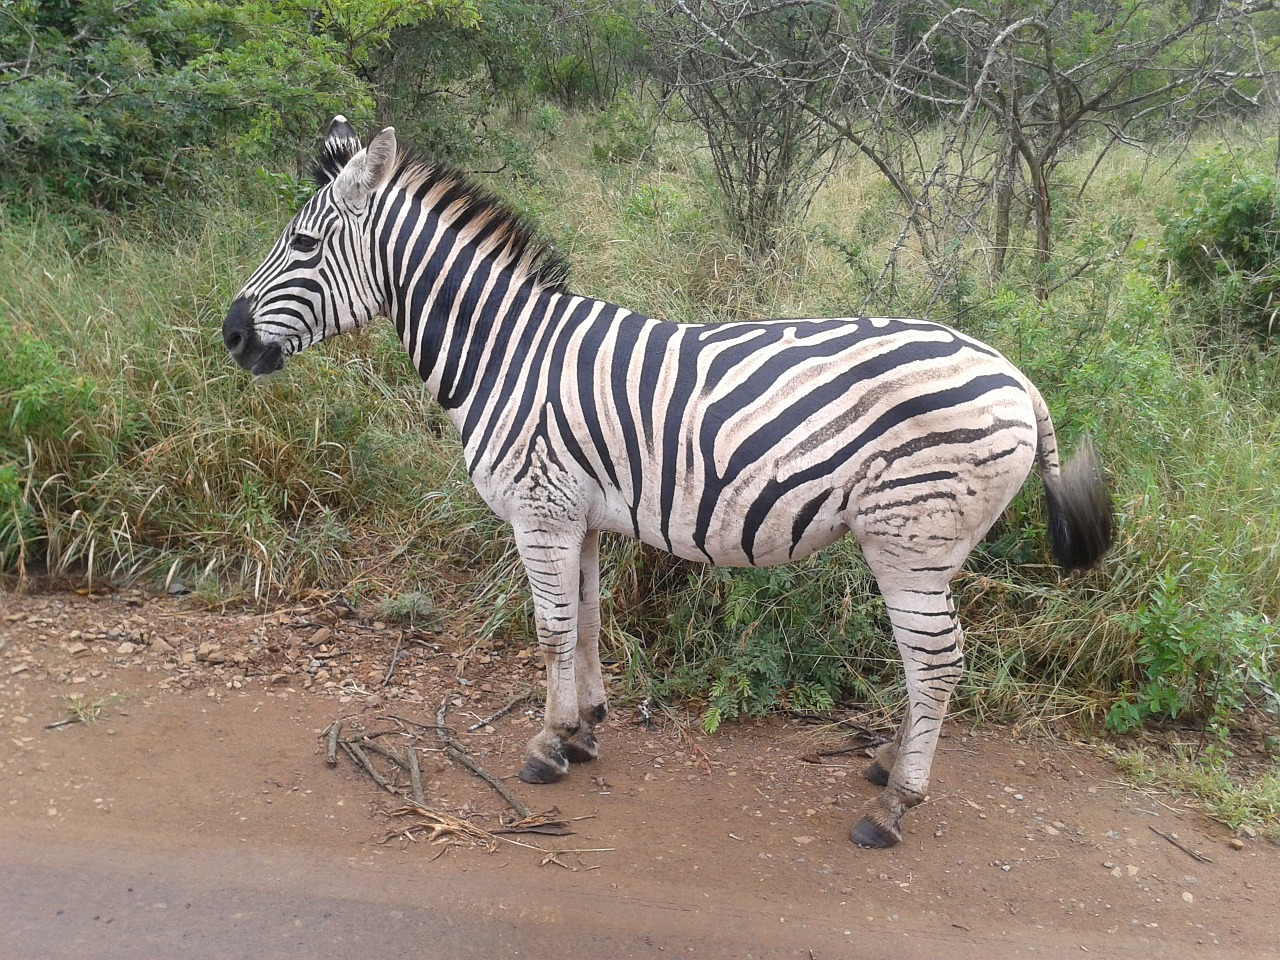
(869, 834)
(580, 749)
(877, 774)
(537, 770)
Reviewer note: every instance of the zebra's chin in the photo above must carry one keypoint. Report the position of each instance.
(270, 360)
(261, 360)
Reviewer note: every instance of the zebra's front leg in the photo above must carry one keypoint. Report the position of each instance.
(886, 755)
(551, 562)
(929, 641)
(592, 704)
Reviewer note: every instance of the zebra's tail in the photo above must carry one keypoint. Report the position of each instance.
(1081, 515)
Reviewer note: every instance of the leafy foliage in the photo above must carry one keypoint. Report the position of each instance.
(777, 638)
(103, 102)
(1200, 658)
(1225, 237)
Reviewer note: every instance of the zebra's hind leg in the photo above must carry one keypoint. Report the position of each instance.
(592, 704)
(551, 562)
(929, 641)
(887, 753)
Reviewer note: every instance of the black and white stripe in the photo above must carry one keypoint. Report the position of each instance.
(739, 443)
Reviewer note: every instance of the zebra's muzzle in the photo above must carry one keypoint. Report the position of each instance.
(243, 343)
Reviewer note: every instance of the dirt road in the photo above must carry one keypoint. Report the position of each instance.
(195, 816)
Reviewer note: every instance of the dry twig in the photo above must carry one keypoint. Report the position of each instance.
(455, 751)
(1181, 846)
(415, 777)
(331, 752)
(358, 755)
(515, 701)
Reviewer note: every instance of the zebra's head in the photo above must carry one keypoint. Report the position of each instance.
(318, 280)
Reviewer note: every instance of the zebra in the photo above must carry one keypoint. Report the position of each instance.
(738, 443)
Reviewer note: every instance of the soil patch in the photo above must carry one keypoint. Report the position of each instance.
(199, 736)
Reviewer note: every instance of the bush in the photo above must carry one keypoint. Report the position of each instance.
(1226, 238)
(40, 399)
(110, 104)
(798, 637)
(623, 131)
(1200, 658)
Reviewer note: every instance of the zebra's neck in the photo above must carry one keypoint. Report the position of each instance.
(464, 292)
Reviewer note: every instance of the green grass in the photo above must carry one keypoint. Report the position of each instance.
(1232, 799)
(80, 709)
(150, 453)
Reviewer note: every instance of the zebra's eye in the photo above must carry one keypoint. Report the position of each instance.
(304, 243)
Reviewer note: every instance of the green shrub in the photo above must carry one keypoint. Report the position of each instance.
(623, 131)
(798, 637)
(40, 397)
(1200, 658)
(111, 105)
(1225, 237)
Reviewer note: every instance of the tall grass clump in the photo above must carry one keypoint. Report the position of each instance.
(130, 446)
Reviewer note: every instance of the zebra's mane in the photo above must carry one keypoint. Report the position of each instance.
(468, 204)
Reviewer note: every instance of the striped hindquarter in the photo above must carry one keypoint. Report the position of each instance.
(745, 444)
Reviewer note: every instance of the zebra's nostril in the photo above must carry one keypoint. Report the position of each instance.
(234, 341)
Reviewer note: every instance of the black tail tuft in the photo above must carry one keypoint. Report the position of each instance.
(1081, 517)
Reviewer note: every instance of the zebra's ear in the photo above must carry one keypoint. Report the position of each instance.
(368, 170)
(341, 143)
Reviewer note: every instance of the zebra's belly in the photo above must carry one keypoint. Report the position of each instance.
(750, 526)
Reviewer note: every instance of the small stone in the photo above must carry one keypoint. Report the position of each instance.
(1235, 843)
(160, 646)
(126, 648)
(1131, 870)
(76, 649)
(321, 635)
(1186, 895)
(210, 652)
